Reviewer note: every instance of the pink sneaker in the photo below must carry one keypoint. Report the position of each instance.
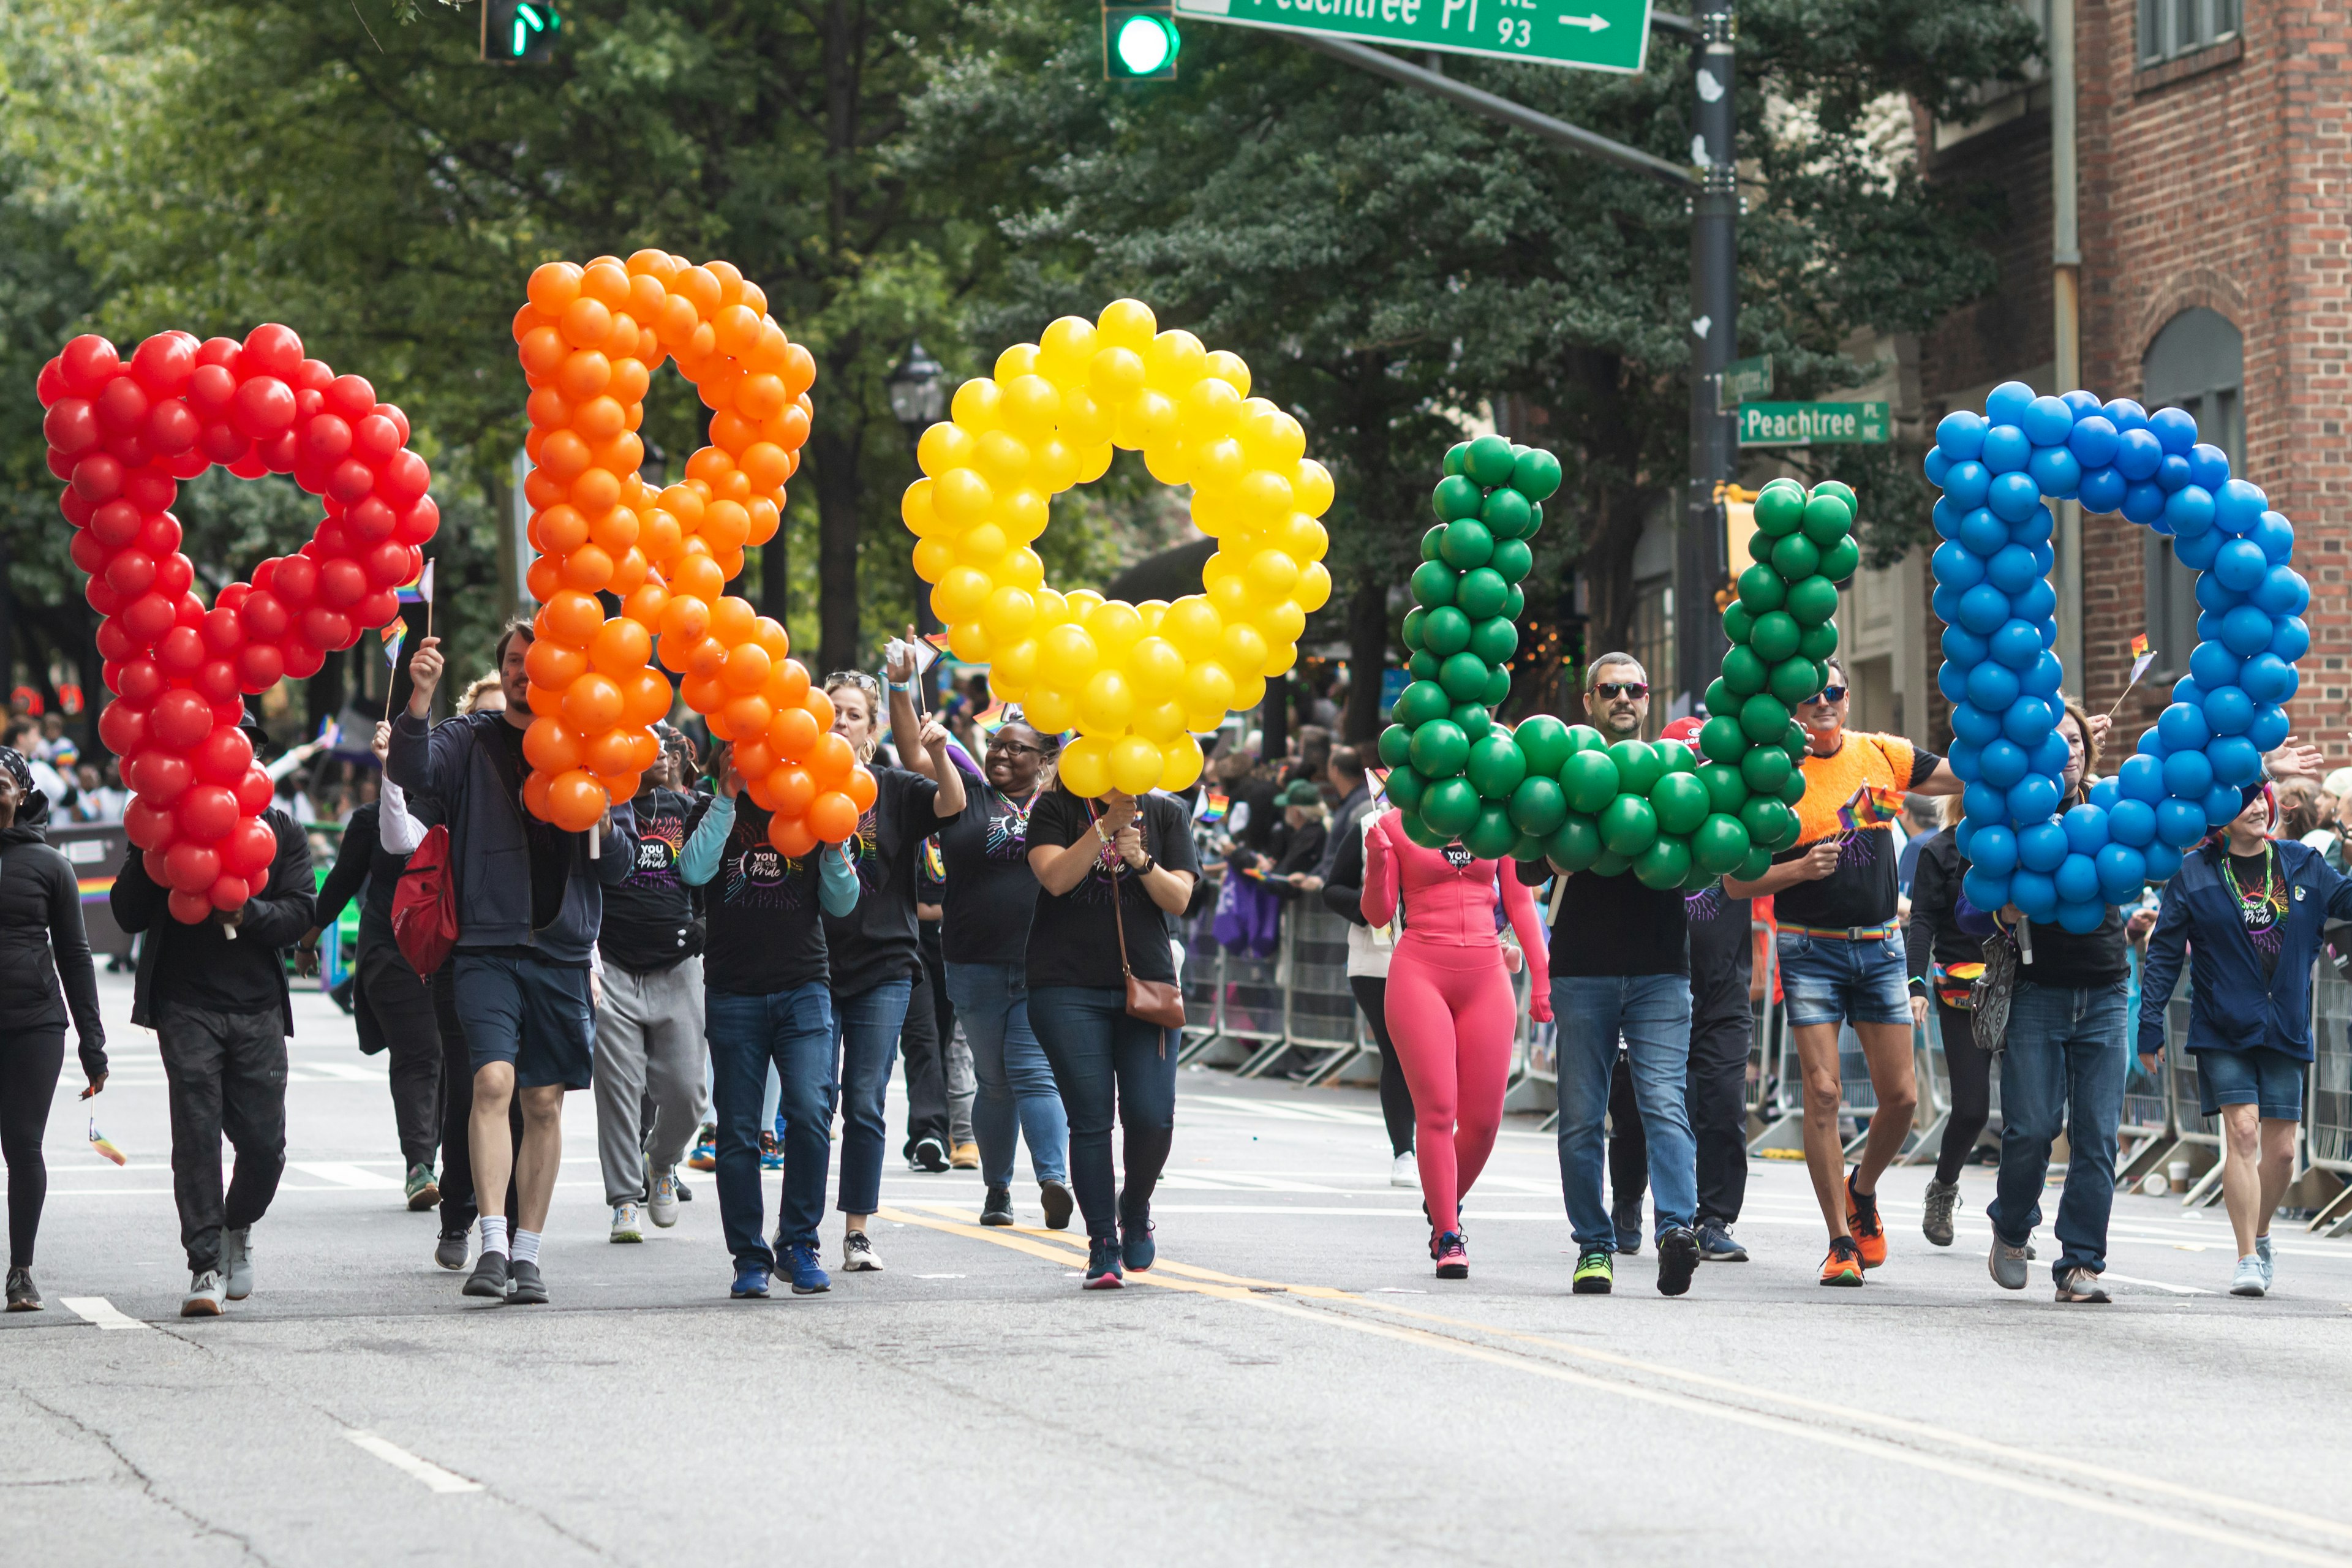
(1453, 1256)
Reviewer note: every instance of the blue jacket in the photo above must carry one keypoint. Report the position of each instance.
(2231, 1007)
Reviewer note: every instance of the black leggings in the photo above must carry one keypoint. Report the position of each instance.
(1970, 1071)
(28, 1083)
(1371, 992)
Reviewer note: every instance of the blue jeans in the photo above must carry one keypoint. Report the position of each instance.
(792, 1030)
(1016, 1082)
(865, 1026)
(1830, 980)
(1104, 1060)
(1653, 1013)
(2063, 1065)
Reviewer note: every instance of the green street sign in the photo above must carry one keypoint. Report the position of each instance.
(1590, 35)
(1811, 424)
(1744, 379)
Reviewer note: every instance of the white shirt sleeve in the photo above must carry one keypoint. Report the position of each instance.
(399, 832)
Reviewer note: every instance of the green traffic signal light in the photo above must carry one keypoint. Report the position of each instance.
(1140, 43)
(518, 31)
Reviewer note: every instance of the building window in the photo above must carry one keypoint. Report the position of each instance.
(2169, 28)
(2197, 363)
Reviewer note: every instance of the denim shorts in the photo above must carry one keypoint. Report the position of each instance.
(2261, 1077)
(1828, 979)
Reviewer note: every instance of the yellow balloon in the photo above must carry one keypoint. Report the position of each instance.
(962, 592)
(1014, 667)
(1049, 712)
(969, 642)
(1206, 687)
(1227, 366)
(1136, 764)
(962, 497)
(1271, 575)
(1085, 766)
(977, 405)
(915, 511)
(1182, 763)
(1008, 616)
(1174, 361)
(1161, 725)
(933, 559)
(1116, 627)
(1107, 702)
(1031, 405)
(1244, 650)
(1127, 324)
(1314, 587)
(1064, 348)
(943, 446)
(1311, 485)
(1001, 458)
(1018, 360)
(1071, 654)
(1155, 668)
(1194, 624)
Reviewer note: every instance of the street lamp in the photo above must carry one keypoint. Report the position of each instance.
(918, 399)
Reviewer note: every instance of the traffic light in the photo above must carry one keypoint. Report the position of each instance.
(519, 32)
(1140, 43)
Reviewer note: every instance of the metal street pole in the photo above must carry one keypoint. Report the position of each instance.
(918, 399)
(1701, 566)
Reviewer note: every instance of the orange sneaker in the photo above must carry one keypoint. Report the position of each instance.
(1861, 1219)
(1844, 1264)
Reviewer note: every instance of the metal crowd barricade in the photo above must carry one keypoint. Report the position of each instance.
(2191, 1127)
(2147, 1104)
(2327, 1104)
(1205, 970)
(1318, 1010)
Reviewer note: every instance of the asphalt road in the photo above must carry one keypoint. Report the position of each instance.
(1289, 1385)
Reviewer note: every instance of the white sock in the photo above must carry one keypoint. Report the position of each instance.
(526, 1245)
(494, 1232)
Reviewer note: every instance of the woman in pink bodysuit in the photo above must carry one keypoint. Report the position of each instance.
(1449, 1009)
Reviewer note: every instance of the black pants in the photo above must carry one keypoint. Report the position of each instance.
(458, 1210)
(29, 1064)
(1372, 994)
(923, 1041)
(396, 1016)
(1629, 1151)
(1723, 1028)
(227, 1077)
(1971, 1074)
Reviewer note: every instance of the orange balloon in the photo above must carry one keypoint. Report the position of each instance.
(620, 786)
(820, 708)
(769, 633)
(550, 745)
(748, 667)
(704, 694)
(698, 575)
(545, 700)
(646, 698)
(792, 788)
(645, 750)
(534, 795)
(748, 715)
(595, 491)
(753, 760)
(830, 761)
(593, 703)
(544, 579)
(561, 530)
(833, 817)
(793, 734)
(788, 687)
(687, 619)
(621, 649)
(574, 801)
(791, 835)
(706, 659)
(614, 752)
(553, 665)
(564, 455)
(588, 569)
(572, 618)
(861, 788)
(732, 620)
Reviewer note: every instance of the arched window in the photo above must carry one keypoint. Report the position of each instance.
(2197, 363)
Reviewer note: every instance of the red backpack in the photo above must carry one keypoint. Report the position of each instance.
(424, 904)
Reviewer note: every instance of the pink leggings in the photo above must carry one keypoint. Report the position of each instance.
(1451, 1014)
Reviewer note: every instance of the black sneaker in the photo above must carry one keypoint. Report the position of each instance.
(1136, 1250)
(22, 1295)
(488, 1278)
(1677, 1260)
(1626, 1220)
(1058, 1202)
(1715, 1244)
(929, 1154)
(450, 1251)
(1103, 1270)
(524, 1287)
(997, 1208)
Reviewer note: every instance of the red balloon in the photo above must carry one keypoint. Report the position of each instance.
(160, 777)
(147, 617)
(139, 682)
(159, 533)
(350, 480)
(50, 385)
(173, 575)
(252, 466)
(249, 849)
(274, 350)
(419, 521)
(254, 792)
(223, 757)
(131, 571)
(371, 521)
(229, 892)
(150, 490)
(121, 728)
(180, 719)
(121, 405)
(71, 426)
(328, 628)
(374, 439)
(263, 407)
(229, 713)
(233, 596)
(217, 683)
(224, 630)
(326, 436)
(404, 478)
(103, 599)
(114, 644)
(190, 908)
(303, 660)
(171, 429)
(89, 362)
(164, 362)
(191, 867)
(99, 477)
(71, 502)
(207, 813)
(187, 465)
(296, 582)
(378, 608)
(148, 826)
(129, 450)
(259, 667)
(342, 584)
(263, 615)
(158, 869)
(226, 352)
(350, 396)
(399, 420)
(278, 453)
(181, 651)
(89, 553)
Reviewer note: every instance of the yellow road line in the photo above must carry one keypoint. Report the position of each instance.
(1057, 1247)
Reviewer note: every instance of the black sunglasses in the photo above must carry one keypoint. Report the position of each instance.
(1831, 694)
(1613, 690)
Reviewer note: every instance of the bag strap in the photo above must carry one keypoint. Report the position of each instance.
(1118, 915)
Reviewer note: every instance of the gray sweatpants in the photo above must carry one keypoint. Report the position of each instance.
(648, 1042)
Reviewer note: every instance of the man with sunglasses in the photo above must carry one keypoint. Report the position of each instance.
(1621, 968)
(1841, 954)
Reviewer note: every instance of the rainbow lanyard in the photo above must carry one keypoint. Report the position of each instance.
(2265, 906)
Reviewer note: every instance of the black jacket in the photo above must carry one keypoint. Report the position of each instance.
(253, 965)
(42, 942)
(1343, 884)
(1934, 935)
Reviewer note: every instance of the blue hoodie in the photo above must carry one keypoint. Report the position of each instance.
(2232, 1007)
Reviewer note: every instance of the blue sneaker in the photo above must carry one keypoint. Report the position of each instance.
(772, 1153)
(800, 1262)
(1136, 1250)
(1102, 1271)
(1715, 1244)
(1626, 1220)
(750, 1282)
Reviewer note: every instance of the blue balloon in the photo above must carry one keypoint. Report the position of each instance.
(1935, 465)
(1982, 532)
(2033, 798)
(2283, 590)
(2048, 625)
(1946, 515)
(2133, 822)
(2209, 625)
(2212, 593)
(2238, 506)
(2172, 474)
(1949, 679)
(2034, 527)
(2187, 689)
(2187, 774)
(2044, 557)
(2015, 645)
(1963, 757)
(2183, 728)
(2275, 534)
(2077, 881)
(2175, 428)
(2101, 490)
(2085, 916)
(2179, 824)
(2028, 720)
(1994, 850)
(1964, 835)
(1973, 726)
(2270, 727)
(2056, 470)
(2209, 465)
(2000, 763)
(2139, 454)
(1965, 483)
(2006, 450)
(2012, 496)
(2051, 755)
(2268, 679)
(1984, 890)
(2007, 404)
(2143, 502)
(2046, 675)
(1992, 687)
(2189, 512)
(2290, 637)
(2237, 761)
(2239, 564)
(2010, 570)
(2103, 793)
(2198, 553)
(2141, 777)
(2035, 895)
(2229, 711)
(2041, 848)
(1984, 608)
(2038, 602)
(2127, 414)
(2083, 404)
(2244, 630)
(2086, 829)
(1960, 433)
(1985, 804)
(2163, 862)
(2223, 803)
(1956, 567)
(2211, 665)
(1945, 603)
(2047, 421)
(2094, 441)
(1964, 646)
(2121, 866)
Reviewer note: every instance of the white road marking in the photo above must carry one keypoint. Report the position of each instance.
(343, 1176)
(101, 1313)
(347, 1072)
(434, 1478)
(2155, 1284)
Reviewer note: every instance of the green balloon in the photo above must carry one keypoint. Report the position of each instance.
(1490, 837)
(1674, 757)
(1629, 825)
(1546, 744)
(1455, 497)
(1467, 543)
(1812, 601)
(1726, 790)
(1612, 864)
(1454, 456)
(1795, 681)
(1721, 739)
(1395, 744)
(1529, 848)
(1405, 788)
(1534, 474)
(1795, 741)
(1680, 801)
(1515, 602)
(1439, 748)
(1765, 769)
(1777, 632)
(1720, 844)
(1591, 782)
(1445, 630)
(1539, 805)
(1498, 686)
(1434, 583)
(1828, 518)
(1420, 702)
(1491, 460)
(1414, 621)
(1779, 511)
(1494, 641)
(1744, 673)
(1763, 717)
(1575, 844)
(1534, 524)
(1840, 559)
(1759, 546)
(1738, 623)
(1818, 643)
(1794, 789)
(1431, 541)
(1479, 595)
(1760, 589)
(1664, 864)
(1585, 738)
(1638, 765)
(1796, 557)
(1423, 665)
(1720, 699)
(1495, 767)
(1512, 559)
(1419, 830)
(1474, 718)
(1765, 818)
(1758, 861)
(1841, 490)
(1507, 512)
(1450, 806)
(1463, 676)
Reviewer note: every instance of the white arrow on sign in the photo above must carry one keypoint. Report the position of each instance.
(1590, 24)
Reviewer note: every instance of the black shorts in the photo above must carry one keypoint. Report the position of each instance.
(530, 1014)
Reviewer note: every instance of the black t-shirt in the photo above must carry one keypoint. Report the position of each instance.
(990, 892)
(550, 848)
(875, 941)
(1614, 925)
(1073, 939)
(764, 935)
(1862, 890)
(649, 919)
(1722, 954)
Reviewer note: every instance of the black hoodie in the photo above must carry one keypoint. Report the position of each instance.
(42, 941)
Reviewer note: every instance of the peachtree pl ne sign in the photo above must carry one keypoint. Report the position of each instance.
(1811, 424)
(1595, 34)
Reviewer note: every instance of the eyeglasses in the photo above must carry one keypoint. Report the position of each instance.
(1831, 694)
(1610, 690)
(1013, 749)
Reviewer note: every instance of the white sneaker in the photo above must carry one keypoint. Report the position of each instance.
(236, 1262)
(2250, 1279)
(857, 1255)
(661, 1198)
(627, 1225)
(2270, 1264)
(1405, 1170)
(203, 1296)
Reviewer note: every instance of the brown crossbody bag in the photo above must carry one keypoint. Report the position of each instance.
(1153, 1000)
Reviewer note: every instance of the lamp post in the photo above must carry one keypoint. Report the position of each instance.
(918, 399)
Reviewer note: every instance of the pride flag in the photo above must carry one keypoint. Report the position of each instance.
(1869, 806)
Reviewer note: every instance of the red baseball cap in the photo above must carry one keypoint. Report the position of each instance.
(1685, 730)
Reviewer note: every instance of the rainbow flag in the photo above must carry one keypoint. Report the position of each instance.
(2142, 656)
(1213, 807)
(1869, 806)
(100, 1146)
(394, 633)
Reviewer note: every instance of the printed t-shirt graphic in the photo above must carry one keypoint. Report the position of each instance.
(1861, 892)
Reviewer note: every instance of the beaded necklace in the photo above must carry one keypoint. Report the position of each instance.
(2262, 908)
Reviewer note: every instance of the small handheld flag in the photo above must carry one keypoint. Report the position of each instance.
(1869, 806)
(394, 633)
(99, 1145)
(2142, 656)
(1213, 806)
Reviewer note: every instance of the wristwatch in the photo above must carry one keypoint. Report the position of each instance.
(1150, 863)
